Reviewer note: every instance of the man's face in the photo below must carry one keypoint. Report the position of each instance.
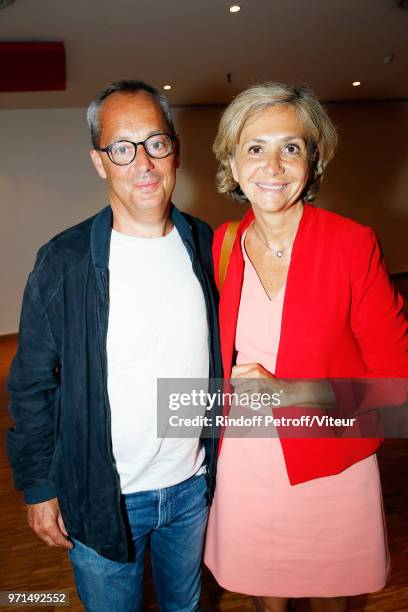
(146, 183)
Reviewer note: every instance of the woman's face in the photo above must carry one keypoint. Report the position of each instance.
(270, 161)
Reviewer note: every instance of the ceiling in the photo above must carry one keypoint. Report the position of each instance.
(193, 44)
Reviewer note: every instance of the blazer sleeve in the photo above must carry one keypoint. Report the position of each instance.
(381, 330)
(377, 318)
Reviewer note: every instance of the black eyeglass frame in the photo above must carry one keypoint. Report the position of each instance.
(108, 149)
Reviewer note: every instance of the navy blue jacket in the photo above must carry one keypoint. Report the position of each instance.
(61, 445)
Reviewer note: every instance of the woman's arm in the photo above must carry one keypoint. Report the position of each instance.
(253, 378)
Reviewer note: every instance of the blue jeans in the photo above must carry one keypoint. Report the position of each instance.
(172, 522)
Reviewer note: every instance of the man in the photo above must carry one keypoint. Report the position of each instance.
(112, 304)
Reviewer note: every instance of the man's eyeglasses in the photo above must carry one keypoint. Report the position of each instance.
(123, 152)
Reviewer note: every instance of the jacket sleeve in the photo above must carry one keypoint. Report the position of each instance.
(377, 317)
(380, 328)
(32, 387)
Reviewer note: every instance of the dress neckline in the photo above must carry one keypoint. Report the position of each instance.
(278, 297)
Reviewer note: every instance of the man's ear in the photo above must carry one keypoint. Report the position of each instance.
(233, 167)
(97, 162)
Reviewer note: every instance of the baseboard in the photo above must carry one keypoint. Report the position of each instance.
(7, 337)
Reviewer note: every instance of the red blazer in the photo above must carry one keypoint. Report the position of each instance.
(341, 318)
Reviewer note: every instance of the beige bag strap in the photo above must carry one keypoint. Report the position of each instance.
(226, 249)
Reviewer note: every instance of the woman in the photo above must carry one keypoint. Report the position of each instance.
(306, 295)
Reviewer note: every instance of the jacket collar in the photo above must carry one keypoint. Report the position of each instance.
(184, 228)
(245, 222)
(100, 238)
(102, 227)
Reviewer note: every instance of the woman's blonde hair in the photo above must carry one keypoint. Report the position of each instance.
(321, 133)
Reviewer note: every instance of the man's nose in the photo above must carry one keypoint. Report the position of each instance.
(142, 160)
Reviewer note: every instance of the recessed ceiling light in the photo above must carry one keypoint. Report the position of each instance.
(235, 8)
(166, 86)
(356, 83)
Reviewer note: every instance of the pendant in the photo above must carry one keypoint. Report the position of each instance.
(279, 253)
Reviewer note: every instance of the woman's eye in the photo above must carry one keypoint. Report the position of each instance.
(292, 149)
(255, 149)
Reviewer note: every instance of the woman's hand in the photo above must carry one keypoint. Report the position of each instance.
(252, 378)
(250, 370)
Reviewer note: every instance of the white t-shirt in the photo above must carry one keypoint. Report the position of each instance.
(157, 329)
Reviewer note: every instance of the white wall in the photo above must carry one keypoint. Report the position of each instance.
(47, 182)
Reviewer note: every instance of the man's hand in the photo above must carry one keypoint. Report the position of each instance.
(46, 521)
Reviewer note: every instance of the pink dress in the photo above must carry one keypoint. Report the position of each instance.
(266, 537)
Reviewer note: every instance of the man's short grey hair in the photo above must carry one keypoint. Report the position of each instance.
(129, 87)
